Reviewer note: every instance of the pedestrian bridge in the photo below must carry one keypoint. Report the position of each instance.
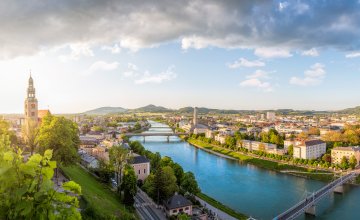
(152, 134)
(308, 204)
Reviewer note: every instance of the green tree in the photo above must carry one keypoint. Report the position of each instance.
(129, 185)
(344, 163)
(179, 173)
(164, 184)
(189, 184)
(30, 133)
(290, 150)
(27, 190)
(326, 158)
(62, 136)
(352, 162)
(118, 158)
(5, 130)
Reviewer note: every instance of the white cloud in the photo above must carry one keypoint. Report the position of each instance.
(76, 51)
(113, 49)
(103, 66)
(157, 78)
(312, 76)
(242, 62)
(283, 5)
(271, 52)
(353, 55)
(259, 74)
(257, 80)
(312, 52)
(134, 73)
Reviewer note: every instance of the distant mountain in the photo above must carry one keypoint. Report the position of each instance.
(152, 109)
(355, 111)
(105, 111)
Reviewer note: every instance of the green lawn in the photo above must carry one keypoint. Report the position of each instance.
(271, 165)
(221, 206)
(104, 201)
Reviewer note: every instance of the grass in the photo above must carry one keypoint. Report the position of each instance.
(221, 206)
(105, 202)
(266, 164)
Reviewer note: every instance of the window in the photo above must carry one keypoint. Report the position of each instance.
(33, 114)
(144, 170)
(32, 106)
(187, 208)
(139, 172)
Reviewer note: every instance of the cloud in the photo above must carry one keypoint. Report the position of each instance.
(272, 52)
(242, 62)
(312, 53)
(256, 80)
(76, 51)
(353, 55)
(312, 76)
(103, 66)
(143, 77)
(113, 49)
(27, 28)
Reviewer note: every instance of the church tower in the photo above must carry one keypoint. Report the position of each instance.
(31, 104)
(195, 121)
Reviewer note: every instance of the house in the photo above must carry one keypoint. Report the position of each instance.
(221, 138)
(311, 149)
(339, 152)
(293, 142)
(87, 160)
(178, 204)
(209, 133)
(141, 166)
(88, 142)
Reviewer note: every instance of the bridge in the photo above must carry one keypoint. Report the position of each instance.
(152, 134)
(308, 204)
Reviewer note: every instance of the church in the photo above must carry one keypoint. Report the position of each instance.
(32, 114)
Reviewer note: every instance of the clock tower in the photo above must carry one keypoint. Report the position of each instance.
(31, 104)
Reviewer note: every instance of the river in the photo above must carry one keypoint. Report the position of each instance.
(256, 192)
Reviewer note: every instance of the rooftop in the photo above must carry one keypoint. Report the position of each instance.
(177, 201)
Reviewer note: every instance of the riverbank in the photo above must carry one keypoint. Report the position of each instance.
(266, 164)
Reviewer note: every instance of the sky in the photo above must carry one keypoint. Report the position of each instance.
(248, 54)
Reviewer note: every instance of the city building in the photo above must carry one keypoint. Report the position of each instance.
(195, 121)
(338, 153)
(178, 204)
(311, 149)
(293, 142)
(141, 166)
(270, 116)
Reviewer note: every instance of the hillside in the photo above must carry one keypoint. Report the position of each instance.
(152, 109)
(105, 111)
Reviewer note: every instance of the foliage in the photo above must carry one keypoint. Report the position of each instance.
(352, 162)
(118, 158)
(60, 135)
(189, 184)
(27, 190)
(290, 150)
(5, 130)
(101, 202)
(104, 171)
(31, 132)
(129, 185)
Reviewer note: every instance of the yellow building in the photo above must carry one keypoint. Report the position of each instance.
(339, 152)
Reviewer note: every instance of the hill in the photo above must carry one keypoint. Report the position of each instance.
(152, 109)
(355, 111)
(105, 111)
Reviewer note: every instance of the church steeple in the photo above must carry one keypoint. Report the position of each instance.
(31, 103)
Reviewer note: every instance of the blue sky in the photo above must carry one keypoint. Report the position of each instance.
(229, 55)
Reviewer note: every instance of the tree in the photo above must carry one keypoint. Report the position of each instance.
(5, 130)
(189, 184)
(353, 162)
(155, 161)
(326, 158)
(104, 171)
(118, 158)
(261, 147)
(62, 136)
(129, 185)
(344, 163)
(164, 184)
(31, 132)
(303, 136)
(290, 150)
(314, 131)
(27, 190)
(179, 173)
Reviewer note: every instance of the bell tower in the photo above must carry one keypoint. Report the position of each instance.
(31, 104)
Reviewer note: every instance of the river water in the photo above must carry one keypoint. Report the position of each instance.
(256, 192)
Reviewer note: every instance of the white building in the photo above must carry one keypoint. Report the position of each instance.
(270, 116)
(310, 149)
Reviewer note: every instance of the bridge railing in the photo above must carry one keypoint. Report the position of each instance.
(319, 194)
